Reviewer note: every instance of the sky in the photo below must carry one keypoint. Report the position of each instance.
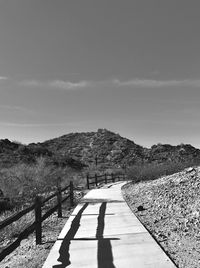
(131, 66)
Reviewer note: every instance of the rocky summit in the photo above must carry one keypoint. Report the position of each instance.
(99, 148)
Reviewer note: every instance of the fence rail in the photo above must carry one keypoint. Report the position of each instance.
(15, 217)
(105, 178)
(39, 218)
(40, 202)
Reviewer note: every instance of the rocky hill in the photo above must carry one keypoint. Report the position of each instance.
(109, 149)
(102, 148)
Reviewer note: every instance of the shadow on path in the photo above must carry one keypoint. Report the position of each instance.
(64, 257)
(104, 251)
(104, 254)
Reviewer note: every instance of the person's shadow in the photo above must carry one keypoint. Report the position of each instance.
(64, 257)
(104, 253)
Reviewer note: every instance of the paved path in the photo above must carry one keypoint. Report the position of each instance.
(103, 232)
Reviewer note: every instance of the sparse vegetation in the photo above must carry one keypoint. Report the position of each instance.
(20, 183)
(152, 171)
(36, 167)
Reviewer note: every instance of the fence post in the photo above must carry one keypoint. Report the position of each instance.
(88, 182)
(38, 220)
(96, 182)
(59, 198)
(105, 178)
(71, 194)
(113, 178)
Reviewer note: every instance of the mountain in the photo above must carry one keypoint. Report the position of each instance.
(102, 149)
(106, 148)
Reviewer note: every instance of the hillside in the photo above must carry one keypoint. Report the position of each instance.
(169, 208)
(110, 149)
(12, 153)
(104, 148)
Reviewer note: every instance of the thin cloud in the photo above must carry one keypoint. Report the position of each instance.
(69, 85)
(31, 83)
(57, 84)
(136, 82)
(151, 83)
(3, 78)
(15, 108)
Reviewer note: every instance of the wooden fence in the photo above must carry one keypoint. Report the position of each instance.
(40, 202)
(39, 218)
(105, 178)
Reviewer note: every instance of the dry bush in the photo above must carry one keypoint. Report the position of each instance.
(152, 171)
(23, 181)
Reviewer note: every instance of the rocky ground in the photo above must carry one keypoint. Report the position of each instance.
(169, 208)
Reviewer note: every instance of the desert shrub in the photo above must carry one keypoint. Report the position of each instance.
(152, 171)
(20, 183)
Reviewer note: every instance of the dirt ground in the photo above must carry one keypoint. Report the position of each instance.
(30, 255)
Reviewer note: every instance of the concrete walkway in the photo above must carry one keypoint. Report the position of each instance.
(103, 232)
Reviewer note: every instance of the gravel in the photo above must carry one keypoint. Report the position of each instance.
(169, 208)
